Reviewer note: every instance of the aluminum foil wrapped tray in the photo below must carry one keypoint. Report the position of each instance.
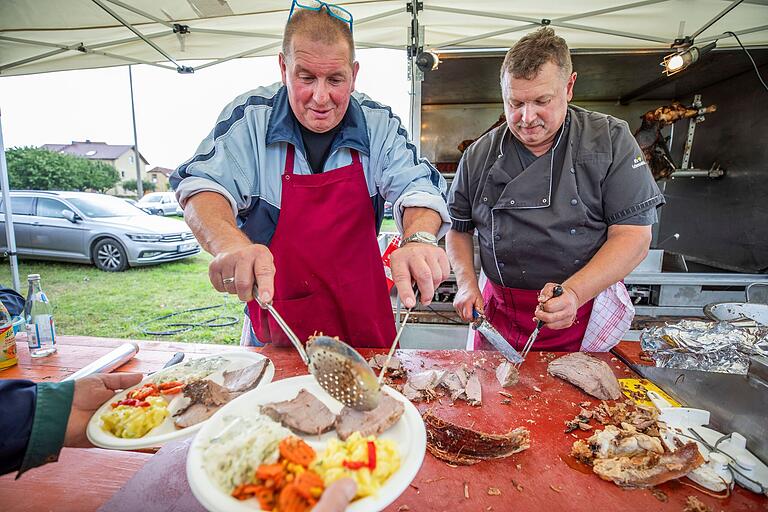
(705, 346)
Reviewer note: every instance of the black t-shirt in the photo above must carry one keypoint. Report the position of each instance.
(317, 146)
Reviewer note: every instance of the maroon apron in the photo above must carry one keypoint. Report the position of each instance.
(511, 310)
(329, 277)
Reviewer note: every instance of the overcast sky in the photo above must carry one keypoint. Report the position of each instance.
(173, 112)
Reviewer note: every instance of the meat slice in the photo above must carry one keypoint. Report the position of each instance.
(507, 374)
(206, 397)
(369, 423)
(474, 391)
(305, 414)
(590, 374)
(244, 379)
(459, 445)
(194, 414)
(650, 469)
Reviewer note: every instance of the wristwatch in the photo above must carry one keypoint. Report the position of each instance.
(424, 237)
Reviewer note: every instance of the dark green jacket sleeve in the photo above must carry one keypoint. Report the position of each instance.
(33, 422)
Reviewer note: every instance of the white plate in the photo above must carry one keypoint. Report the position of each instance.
(408, 433)
(167, 431)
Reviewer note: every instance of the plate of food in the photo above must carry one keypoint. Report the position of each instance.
(278, 447)
(175, 402)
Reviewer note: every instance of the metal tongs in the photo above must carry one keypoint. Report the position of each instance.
(556, 292)
(338, 368)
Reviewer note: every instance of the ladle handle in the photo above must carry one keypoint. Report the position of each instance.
(284, 326)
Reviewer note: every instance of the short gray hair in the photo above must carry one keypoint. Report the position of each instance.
(320, 27)
(529, 54)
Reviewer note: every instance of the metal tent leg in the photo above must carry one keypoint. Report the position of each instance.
(9, 233)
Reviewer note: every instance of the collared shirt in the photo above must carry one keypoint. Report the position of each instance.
(244, 156)
(544, 222)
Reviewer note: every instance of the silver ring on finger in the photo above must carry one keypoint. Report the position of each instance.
(228, 280)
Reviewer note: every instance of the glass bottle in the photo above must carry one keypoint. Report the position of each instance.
(38, 311)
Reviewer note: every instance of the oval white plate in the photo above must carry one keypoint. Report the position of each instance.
(167, 431)
(408, 433)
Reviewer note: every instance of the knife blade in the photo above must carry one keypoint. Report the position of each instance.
(494, 337)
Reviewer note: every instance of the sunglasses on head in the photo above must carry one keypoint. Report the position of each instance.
(333, 10)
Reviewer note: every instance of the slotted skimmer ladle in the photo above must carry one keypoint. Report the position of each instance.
(338, 368)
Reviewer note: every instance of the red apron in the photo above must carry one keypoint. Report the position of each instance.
(329, 277)
(511, 310)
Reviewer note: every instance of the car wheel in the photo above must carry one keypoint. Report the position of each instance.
(109, 256)
(159, 212)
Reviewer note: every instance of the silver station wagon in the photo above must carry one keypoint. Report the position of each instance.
(93, 228)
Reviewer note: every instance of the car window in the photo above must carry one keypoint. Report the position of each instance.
(102, 206)
(19, 205)
(150, 199)
(51, 208)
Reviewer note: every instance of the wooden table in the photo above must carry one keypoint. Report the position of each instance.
(543, 477)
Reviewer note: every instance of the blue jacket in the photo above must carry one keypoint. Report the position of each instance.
(244, 156)
(33, 422)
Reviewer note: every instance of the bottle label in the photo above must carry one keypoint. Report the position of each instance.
(45, 330)
(7, 346)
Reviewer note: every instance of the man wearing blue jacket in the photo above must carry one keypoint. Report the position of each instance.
(287, 193)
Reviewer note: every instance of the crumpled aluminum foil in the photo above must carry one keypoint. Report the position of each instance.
(705, 346)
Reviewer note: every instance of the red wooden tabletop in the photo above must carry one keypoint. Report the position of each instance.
(544, 477)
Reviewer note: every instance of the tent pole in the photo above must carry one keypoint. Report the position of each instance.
(415, 46)
(139, 183)
(10, 235)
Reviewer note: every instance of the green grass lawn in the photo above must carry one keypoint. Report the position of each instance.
(90, 302)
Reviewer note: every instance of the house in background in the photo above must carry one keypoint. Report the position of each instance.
(159, 176)
(120, 157)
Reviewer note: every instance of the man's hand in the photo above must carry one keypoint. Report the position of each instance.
(557, 312)
(337, 496)
(425, 264)
(239, 267)
(468, 297)
(90, 393)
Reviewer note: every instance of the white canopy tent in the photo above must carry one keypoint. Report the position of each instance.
(38, 36)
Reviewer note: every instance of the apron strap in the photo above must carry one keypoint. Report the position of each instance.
(289, 157)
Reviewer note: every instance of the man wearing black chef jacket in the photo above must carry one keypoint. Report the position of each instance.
(558, 195)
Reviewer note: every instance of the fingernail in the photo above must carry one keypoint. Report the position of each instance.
(409, 303)
(264, 296)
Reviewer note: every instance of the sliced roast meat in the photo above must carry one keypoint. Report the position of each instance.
(194, 414)
(244, 379)
(205, 398)
(474, 391)
(206, 392)
(305, 414)
(650, 469)
(590, 374)
(369, 423)
(507, 374)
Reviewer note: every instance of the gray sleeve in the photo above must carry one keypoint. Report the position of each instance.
(629, 188)
(647, 217)
(459, 199)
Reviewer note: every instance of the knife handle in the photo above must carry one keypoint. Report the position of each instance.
(556, 292)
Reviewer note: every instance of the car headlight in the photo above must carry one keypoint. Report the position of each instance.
(141, 237)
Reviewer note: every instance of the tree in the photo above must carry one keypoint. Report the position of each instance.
(147, 185)
(32, 168)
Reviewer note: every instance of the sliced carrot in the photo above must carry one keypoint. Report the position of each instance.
(309, 484)
(169, 385)
(297, 451)
(173, 391)
(291, 500)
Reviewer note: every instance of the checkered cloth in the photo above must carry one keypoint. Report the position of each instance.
(612, 314)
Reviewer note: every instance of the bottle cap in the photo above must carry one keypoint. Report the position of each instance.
(33, 277)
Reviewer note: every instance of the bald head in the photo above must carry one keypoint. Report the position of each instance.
(318, 27)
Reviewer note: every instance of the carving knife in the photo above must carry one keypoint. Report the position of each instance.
(494, 337)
